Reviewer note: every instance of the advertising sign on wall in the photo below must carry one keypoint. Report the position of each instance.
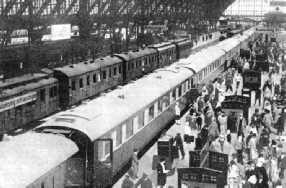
(61, 31)
(17, 101)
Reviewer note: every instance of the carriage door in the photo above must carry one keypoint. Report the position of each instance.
(103, 163)
(18, 117)
(225, 65)
(124, 71)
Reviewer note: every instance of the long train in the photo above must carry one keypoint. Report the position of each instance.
(31, 97)
(88, 145)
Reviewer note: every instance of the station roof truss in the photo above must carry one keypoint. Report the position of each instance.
(93, 15)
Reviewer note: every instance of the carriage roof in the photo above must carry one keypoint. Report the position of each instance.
(27, 157)
(137, 53)
(8, 93)
(88, 66)
(95, 118)
(228, 45)
(201, 60)
(21, 79)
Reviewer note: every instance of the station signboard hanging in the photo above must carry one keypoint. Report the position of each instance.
(267, 30)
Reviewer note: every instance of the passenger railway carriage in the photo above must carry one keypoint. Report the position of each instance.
(87, 145)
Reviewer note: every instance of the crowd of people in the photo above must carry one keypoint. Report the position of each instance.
(258, 160)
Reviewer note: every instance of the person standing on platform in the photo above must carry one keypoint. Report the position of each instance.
(201, 104)
(240, 125)
(253, 150)
(144, 182)
(127, 183)
(257, 96)
(228, 136)
(177, 113)
(199, 121)
(262, 174)
(233, 174)
(280, 126)
(193, 121)
(162, 173)
(208, 115)
(187, 132)
(239, 146)
(135, 163)
(282, 160)
(238, 80)
(268, 119)
(213, 129)
(256, 118)
(223, 124)
(210, 87)
(246, 66)
(199, 142)
(228, 83)
(178, 142)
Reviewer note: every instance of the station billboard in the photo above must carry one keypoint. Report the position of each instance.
(60, 31)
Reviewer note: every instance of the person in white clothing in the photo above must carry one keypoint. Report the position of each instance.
(238, 80)
(177, 113)
(246, 66)
(233, 174)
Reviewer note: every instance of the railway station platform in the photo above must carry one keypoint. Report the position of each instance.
(172, 181)
(145, 162)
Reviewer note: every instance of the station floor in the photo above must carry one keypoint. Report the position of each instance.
(145, 164)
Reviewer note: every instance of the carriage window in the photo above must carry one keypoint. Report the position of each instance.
(43, 185)
(213, 178)
(42, 95)
(166, 102)
(173, 96)
(132, 65)
(110, 73)
(119, 69)
(114, 139)
(187, 85)
(151, 113)
(200, 76)
(135, 125)
(160, 106)
(114, 71)
(107, 148)
(205, 178)
(73, 85)
(80, 83)
(180, 91)
(104, 74)
(123, 133)
(94, 78)
(129, 66)
(146, 116)
(53, 91)
(88, 80)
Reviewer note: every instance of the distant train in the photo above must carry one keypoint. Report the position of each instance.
(88, 145)
(28, 98)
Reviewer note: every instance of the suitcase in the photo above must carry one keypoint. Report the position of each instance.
(192, 138)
